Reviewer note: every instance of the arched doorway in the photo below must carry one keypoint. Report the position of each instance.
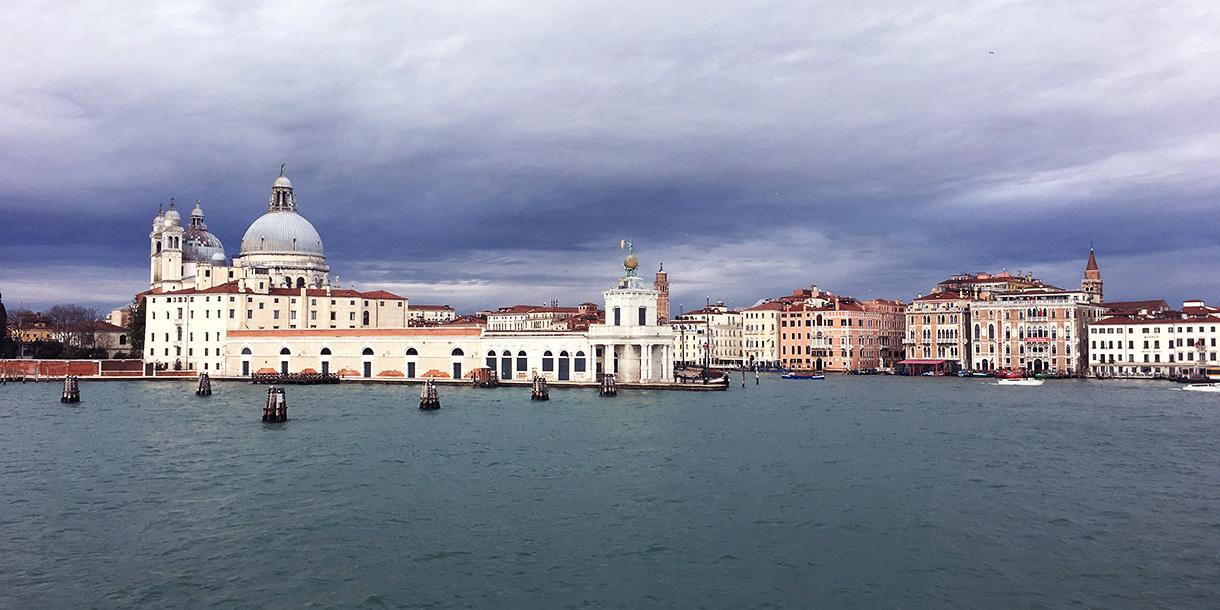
(367, 356)
(984, 366)
(564, 367)
(491, 359)
(245, 362)
(506, 365)
(1039, 366)
(456, 356)
(324, 360)
(285, 354)
(548, 362)
(817, 364)
(412, 357)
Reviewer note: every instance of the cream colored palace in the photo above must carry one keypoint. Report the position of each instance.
(273, 308)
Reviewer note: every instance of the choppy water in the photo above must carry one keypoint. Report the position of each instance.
(853, 492)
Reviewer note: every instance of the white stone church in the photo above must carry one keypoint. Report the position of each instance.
(273, 308)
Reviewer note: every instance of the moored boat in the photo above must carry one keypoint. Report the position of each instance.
(801, 376)
(1018, 381)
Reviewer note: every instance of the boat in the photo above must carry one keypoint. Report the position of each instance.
(801, 376)
(981, 374)
(1018, 381)
(929, 374)
(1201, 387)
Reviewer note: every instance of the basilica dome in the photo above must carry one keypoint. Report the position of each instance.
(284, 243)
(198, 244)
(281, 232)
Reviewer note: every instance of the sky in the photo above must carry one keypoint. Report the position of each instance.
(481, 154)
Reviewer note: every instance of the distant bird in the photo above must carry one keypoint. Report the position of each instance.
(991, 52)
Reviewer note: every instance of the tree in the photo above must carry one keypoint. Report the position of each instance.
(3, 328)
(135, 328)
(73, 325)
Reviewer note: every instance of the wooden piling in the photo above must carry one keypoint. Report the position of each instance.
(539, 390)
(276, 408)
(609, 387)
(429, 398)
(205, 385)
(71, 389)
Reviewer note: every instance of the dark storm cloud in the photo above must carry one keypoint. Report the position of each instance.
(497, 152)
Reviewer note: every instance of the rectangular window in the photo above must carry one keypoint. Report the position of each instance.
(275, 315)
(643, 316)
(617, 317)
(232, 313)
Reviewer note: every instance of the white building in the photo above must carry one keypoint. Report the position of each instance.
(724, 333)
(1163, 344)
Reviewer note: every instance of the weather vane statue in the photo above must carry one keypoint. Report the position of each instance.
(282, 168)
(631, 263)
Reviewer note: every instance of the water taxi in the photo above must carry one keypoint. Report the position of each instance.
(1018, 381)
(1201, 387)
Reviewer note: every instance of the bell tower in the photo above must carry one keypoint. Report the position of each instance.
(1092, 283)
(661, 285)
(154, 248)
(171, 247)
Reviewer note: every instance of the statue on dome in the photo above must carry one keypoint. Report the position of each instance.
(631, 263)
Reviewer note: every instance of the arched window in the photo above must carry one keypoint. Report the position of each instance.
(578, 365)
(285, 351)
(325, 351)
(300, 282)
(366, 318)
(977, 334)
(411, 351)
(991, 331)
(457, 351)
(245, 351)
(522, 361)
(491, 359)
(368, 351)
(548, 361)
(122, 339)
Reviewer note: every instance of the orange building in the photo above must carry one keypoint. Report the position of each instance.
(843, 335)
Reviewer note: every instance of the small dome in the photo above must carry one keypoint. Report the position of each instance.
(281, 233)
(172, 217)
(159, 222)
(218, 258)
(282, 181)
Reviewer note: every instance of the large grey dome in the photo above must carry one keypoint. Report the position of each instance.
(281, 232)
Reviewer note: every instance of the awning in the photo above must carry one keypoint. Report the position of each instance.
(923, 361)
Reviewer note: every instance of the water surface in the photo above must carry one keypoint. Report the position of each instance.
(861, 492)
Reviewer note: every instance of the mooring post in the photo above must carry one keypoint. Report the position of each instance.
(205, 385)
(429, 398)
(71, 389)
(540, 391)
(275, 410)
(609, 388)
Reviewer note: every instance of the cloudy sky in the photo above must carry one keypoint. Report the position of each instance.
(485, 153)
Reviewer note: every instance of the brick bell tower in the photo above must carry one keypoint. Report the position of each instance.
(1092, 283)
(661, 285)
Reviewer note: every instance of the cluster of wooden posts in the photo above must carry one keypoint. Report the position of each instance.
(276, 408)
(71, 389)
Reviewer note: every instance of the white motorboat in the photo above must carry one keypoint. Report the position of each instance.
(1019, 381)
(1201, 387)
